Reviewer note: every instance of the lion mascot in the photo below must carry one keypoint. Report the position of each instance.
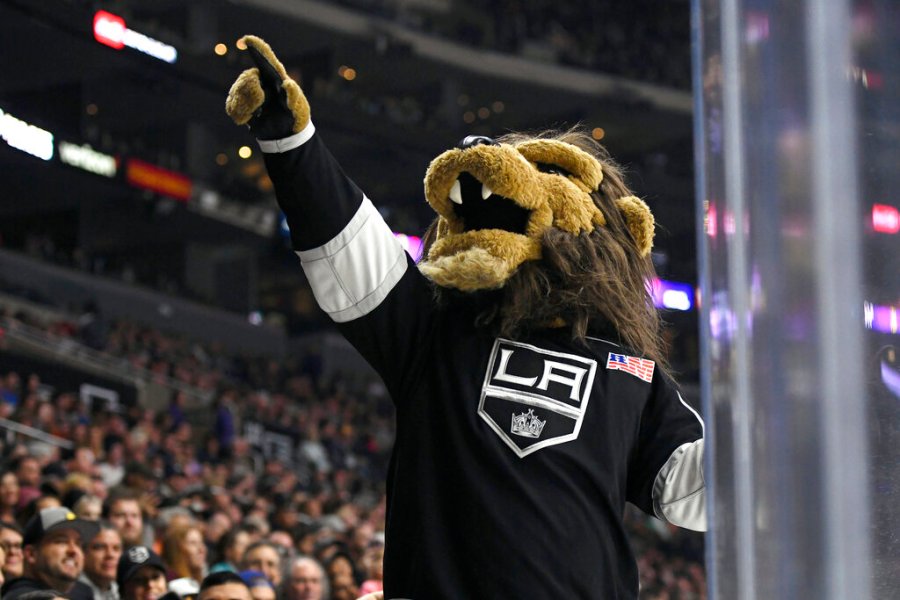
(523, 354)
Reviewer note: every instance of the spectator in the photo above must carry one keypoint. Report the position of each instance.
(139, 478)
(264, 556)
(217, 525)
(28, 473)
(184, 551)
(101, 561)
(172, 518)
(373, 565)
(305, 580)
(2, 560)
(84, 462)
(260, 587)
(89, 507)
(141, 574)
(53, 555)
(112, 468)
(37, 504)
(224, 585)
(224, 425)
(11, 389)
(9, 496)
(11, 542)
(230, 550)
(185, 588)
(340, 571)
(123, 510)
(284, 542)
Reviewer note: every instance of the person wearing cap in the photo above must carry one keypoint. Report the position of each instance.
(141, 574)
(101, 562)
(263, 556)
(185, 588)
(53, 555)
(260, 587)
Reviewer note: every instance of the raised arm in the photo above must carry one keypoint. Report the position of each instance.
(358, 271)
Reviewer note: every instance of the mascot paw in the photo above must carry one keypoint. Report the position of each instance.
(265, 98)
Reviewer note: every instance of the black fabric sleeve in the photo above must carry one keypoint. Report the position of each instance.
(359, 273)
(667, 422)
(317, 198)
(396, 337)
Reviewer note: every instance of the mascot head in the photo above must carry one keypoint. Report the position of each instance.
(547, 221)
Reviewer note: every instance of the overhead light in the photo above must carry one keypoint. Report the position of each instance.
(245, 152)
(26, 137)
(110, 30)
(221, 49)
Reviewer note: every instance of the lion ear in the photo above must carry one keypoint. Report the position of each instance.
(640, 222)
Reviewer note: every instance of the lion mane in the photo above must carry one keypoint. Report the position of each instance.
(581, 260)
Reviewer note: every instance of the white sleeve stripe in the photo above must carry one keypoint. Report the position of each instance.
(365, 211)
(373, 300)
(288, 143)
(679, 490)
(354, 272)
(696, 414)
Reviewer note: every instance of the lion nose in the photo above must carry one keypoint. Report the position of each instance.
(476, 140)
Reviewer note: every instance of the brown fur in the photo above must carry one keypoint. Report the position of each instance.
(593, 278)
(247, 96)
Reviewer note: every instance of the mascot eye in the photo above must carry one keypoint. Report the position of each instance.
(552, 169)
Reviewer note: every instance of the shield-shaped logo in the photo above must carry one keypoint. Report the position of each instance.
(533, 398)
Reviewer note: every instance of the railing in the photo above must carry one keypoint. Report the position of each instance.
(12, 428)
(17, 333)
(118, 300)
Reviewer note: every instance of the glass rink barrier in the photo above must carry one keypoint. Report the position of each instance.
(798, 152)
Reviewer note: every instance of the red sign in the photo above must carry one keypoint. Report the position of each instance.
(150, 177)
(109, 29)
(885, 219)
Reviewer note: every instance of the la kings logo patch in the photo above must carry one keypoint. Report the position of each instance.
(533, 398)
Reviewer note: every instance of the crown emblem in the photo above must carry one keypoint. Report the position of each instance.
(527, 425)
(138, 554)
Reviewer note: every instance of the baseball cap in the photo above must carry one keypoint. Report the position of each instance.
(185, 587)
(255, 579)
(133, 559)
(55, 518)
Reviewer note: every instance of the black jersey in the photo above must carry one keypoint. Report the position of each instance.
(514, 457)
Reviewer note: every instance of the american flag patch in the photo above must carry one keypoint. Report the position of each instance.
(641, 368)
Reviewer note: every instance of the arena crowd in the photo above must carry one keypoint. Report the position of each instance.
(296, 520)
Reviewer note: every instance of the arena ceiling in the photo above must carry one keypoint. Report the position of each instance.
(407, 102)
